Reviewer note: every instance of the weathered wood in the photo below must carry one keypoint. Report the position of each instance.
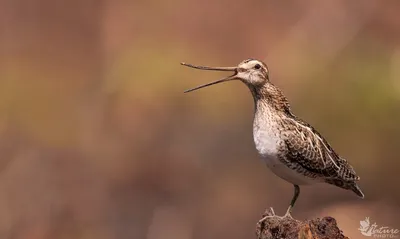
(277, 227)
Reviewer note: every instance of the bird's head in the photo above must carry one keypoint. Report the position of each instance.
(251, 72)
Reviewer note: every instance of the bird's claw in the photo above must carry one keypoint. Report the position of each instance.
(270, 214)
(288, 215)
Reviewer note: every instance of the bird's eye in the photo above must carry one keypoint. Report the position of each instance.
(257, 66)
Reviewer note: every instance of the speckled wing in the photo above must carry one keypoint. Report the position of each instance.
(309, 153)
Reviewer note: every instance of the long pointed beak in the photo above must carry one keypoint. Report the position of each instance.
(209, 68)
(232, 77)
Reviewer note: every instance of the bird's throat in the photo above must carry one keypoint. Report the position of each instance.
(269, 97)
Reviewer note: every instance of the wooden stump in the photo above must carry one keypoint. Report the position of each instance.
(289, 228)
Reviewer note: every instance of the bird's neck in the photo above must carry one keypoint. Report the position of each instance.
(269, 97)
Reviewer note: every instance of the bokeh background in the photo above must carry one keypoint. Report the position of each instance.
(97, 139)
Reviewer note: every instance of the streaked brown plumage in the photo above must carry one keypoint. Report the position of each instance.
(291, 148)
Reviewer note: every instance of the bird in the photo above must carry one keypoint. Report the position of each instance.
(291, 148)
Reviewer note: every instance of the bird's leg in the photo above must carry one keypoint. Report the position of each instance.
(268, 216)
(295, 196)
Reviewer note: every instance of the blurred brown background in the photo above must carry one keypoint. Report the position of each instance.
(97, 139)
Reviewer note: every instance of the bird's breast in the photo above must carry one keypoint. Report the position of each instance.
(266, 141)
(266, 135)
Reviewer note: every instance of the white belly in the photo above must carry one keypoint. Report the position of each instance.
(267, 143)
(284, 172)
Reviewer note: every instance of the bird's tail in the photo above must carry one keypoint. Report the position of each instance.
(355, 188)
(349, 185)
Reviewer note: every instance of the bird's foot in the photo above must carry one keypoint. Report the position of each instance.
(287, 214)
(270, 214)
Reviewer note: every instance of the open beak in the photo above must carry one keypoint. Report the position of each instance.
(232, 77)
